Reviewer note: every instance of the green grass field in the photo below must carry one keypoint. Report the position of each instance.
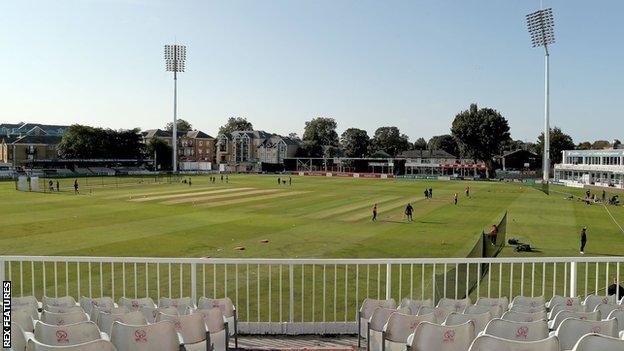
(315, 217)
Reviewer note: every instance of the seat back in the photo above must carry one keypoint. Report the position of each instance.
(605, 309)
(495, 311)
(65, 301)
(494, 301)
(479, 320)
(136, 304)
(535, 301)
(63, 335)
(63, 318)
(519, 331)
(224, 304)
(524, 317)
(24, 301)
(597, 342)
(435, 337)
(571, 330)
(64, 309)
(493, 343)
(527, 308)
(213, 318)
(591, 301)
(379, 318)
(18, 339)
(97, 345)
(559, 307)
(182, 303)
(591, 316)
(159, 336)
(23, 318)
(455, 305)
(105, 320)
(87, 303)
(96, 310)
(414, 305)
(565, 301)
(401, 325)
(191, 326)
(440, 313)
(619, 316)
(150, 313)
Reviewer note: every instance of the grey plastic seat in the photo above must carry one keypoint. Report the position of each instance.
(161, 336)
(398, 329)
(229, 312)
(455, 305)
(493, 343)
(64, 335)
(97, 345)
(562, 315)
(217, 328)
(519, 331)
(524, 317)
(591, 301)
(597, 342)
(619, 316)
(480, 320)
(183, 304)
(136, 304)
(529, 301)
(563, 300)
(24, 318)
(572, 329)
(435, 337)
(87, 303)
(495, 311)
(376, 326)
(192, 328)
(440, 313)
(559, 307)
(414, 305)
(503, 302)
(64, 301)
(63, 318)
(63, 309)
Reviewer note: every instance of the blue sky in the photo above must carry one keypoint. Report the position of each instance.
(412, 64)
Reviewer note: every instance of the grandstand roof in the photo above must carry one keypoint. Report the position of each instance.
(437, 153)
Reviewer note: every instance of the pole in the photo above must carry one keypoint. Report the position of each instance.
(546, 162)
(174, 137)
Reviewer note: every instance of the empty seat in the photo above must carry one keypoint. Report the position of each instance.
(136, 304)
(217, 328)
(606, 308)
(535, 302)
(435, 337)
(105, 320)
(479, 320)
(160, 336)
(520, 331)
(24, 301)
(619, 316)
(18, 338)
(572, 329)
(559, 307)
(24, 318)
(399, 327)
(96, 310)
(597, 342)
(414, 305)
(64, 335)
(182, 304)
(229, 312)
(591, 316)
(195, 337)
(63, 309)
(455, 305)
(65, 301)
(527, 308)
(494, 343)
(365, 313)
(150, 313)
(87, 303)
(495, 311)
(524, 317)
(63, 318)
(562, 300)
(376, 326)
(494, 301)
(591, 301)
(97, 345)
(440, 313)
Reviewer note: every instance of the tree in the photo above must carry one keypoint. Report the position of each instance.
(84, 142)
(294, 136)
(321, 131)
(444, 142)
(480, 133)
(355, 142)
(617, 143)
(234, 124)
(600, 144)
(182, 126)
(309, 149)
(390, 140)
(163, 152)
(585, 145)
(559, 141)
(420, 144)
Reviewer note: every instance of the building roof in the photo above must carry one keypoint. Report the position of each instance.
(437, 153)
(160, 133)
(508, 153)
(595, 153)
(38, 139)
(198, 134)
(25, 128)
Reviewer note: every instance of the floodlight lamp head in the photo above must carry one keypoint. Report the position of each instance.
(175, 58)
(541, 27)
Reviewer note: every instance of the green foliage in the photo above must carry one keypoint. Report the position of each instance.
(321, 131)
(309, 149)
(559, 141)
(420, 144)
(355, 142)
(585, 145)
(234, 124)
(480, 133)
(182, 126)
(163, 152)
(84, 142)
(390, 140)
(601, 144)
(444, 142)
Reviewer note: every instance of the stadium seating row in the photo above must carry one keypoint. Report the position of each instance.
(527, 322)
(131, 324)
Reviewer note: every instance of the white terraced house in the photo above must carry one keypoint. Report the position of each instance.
(595, 167)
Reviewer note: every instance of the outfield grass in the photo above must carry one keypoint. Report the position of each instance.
(314, 217)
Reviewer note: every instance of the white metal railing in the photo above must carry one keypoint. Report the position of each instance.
(307, 295)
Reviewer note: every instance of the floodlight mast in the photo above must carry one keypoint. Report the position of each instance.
(175, 57)
(541, 28)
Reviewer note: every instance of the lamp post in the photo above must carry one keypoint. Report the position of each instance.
(542, 30)
(175, 57)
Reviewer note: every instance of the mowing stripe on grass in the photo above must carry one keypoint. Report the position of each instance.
(171, 190)
(366, 214)
(351, 207)
(187, 194)
(215, 197)
(252, 198)
(614, 221)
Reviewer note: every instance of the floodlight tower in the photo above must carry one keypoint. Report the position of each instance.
(542, 30)
(175, 57)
